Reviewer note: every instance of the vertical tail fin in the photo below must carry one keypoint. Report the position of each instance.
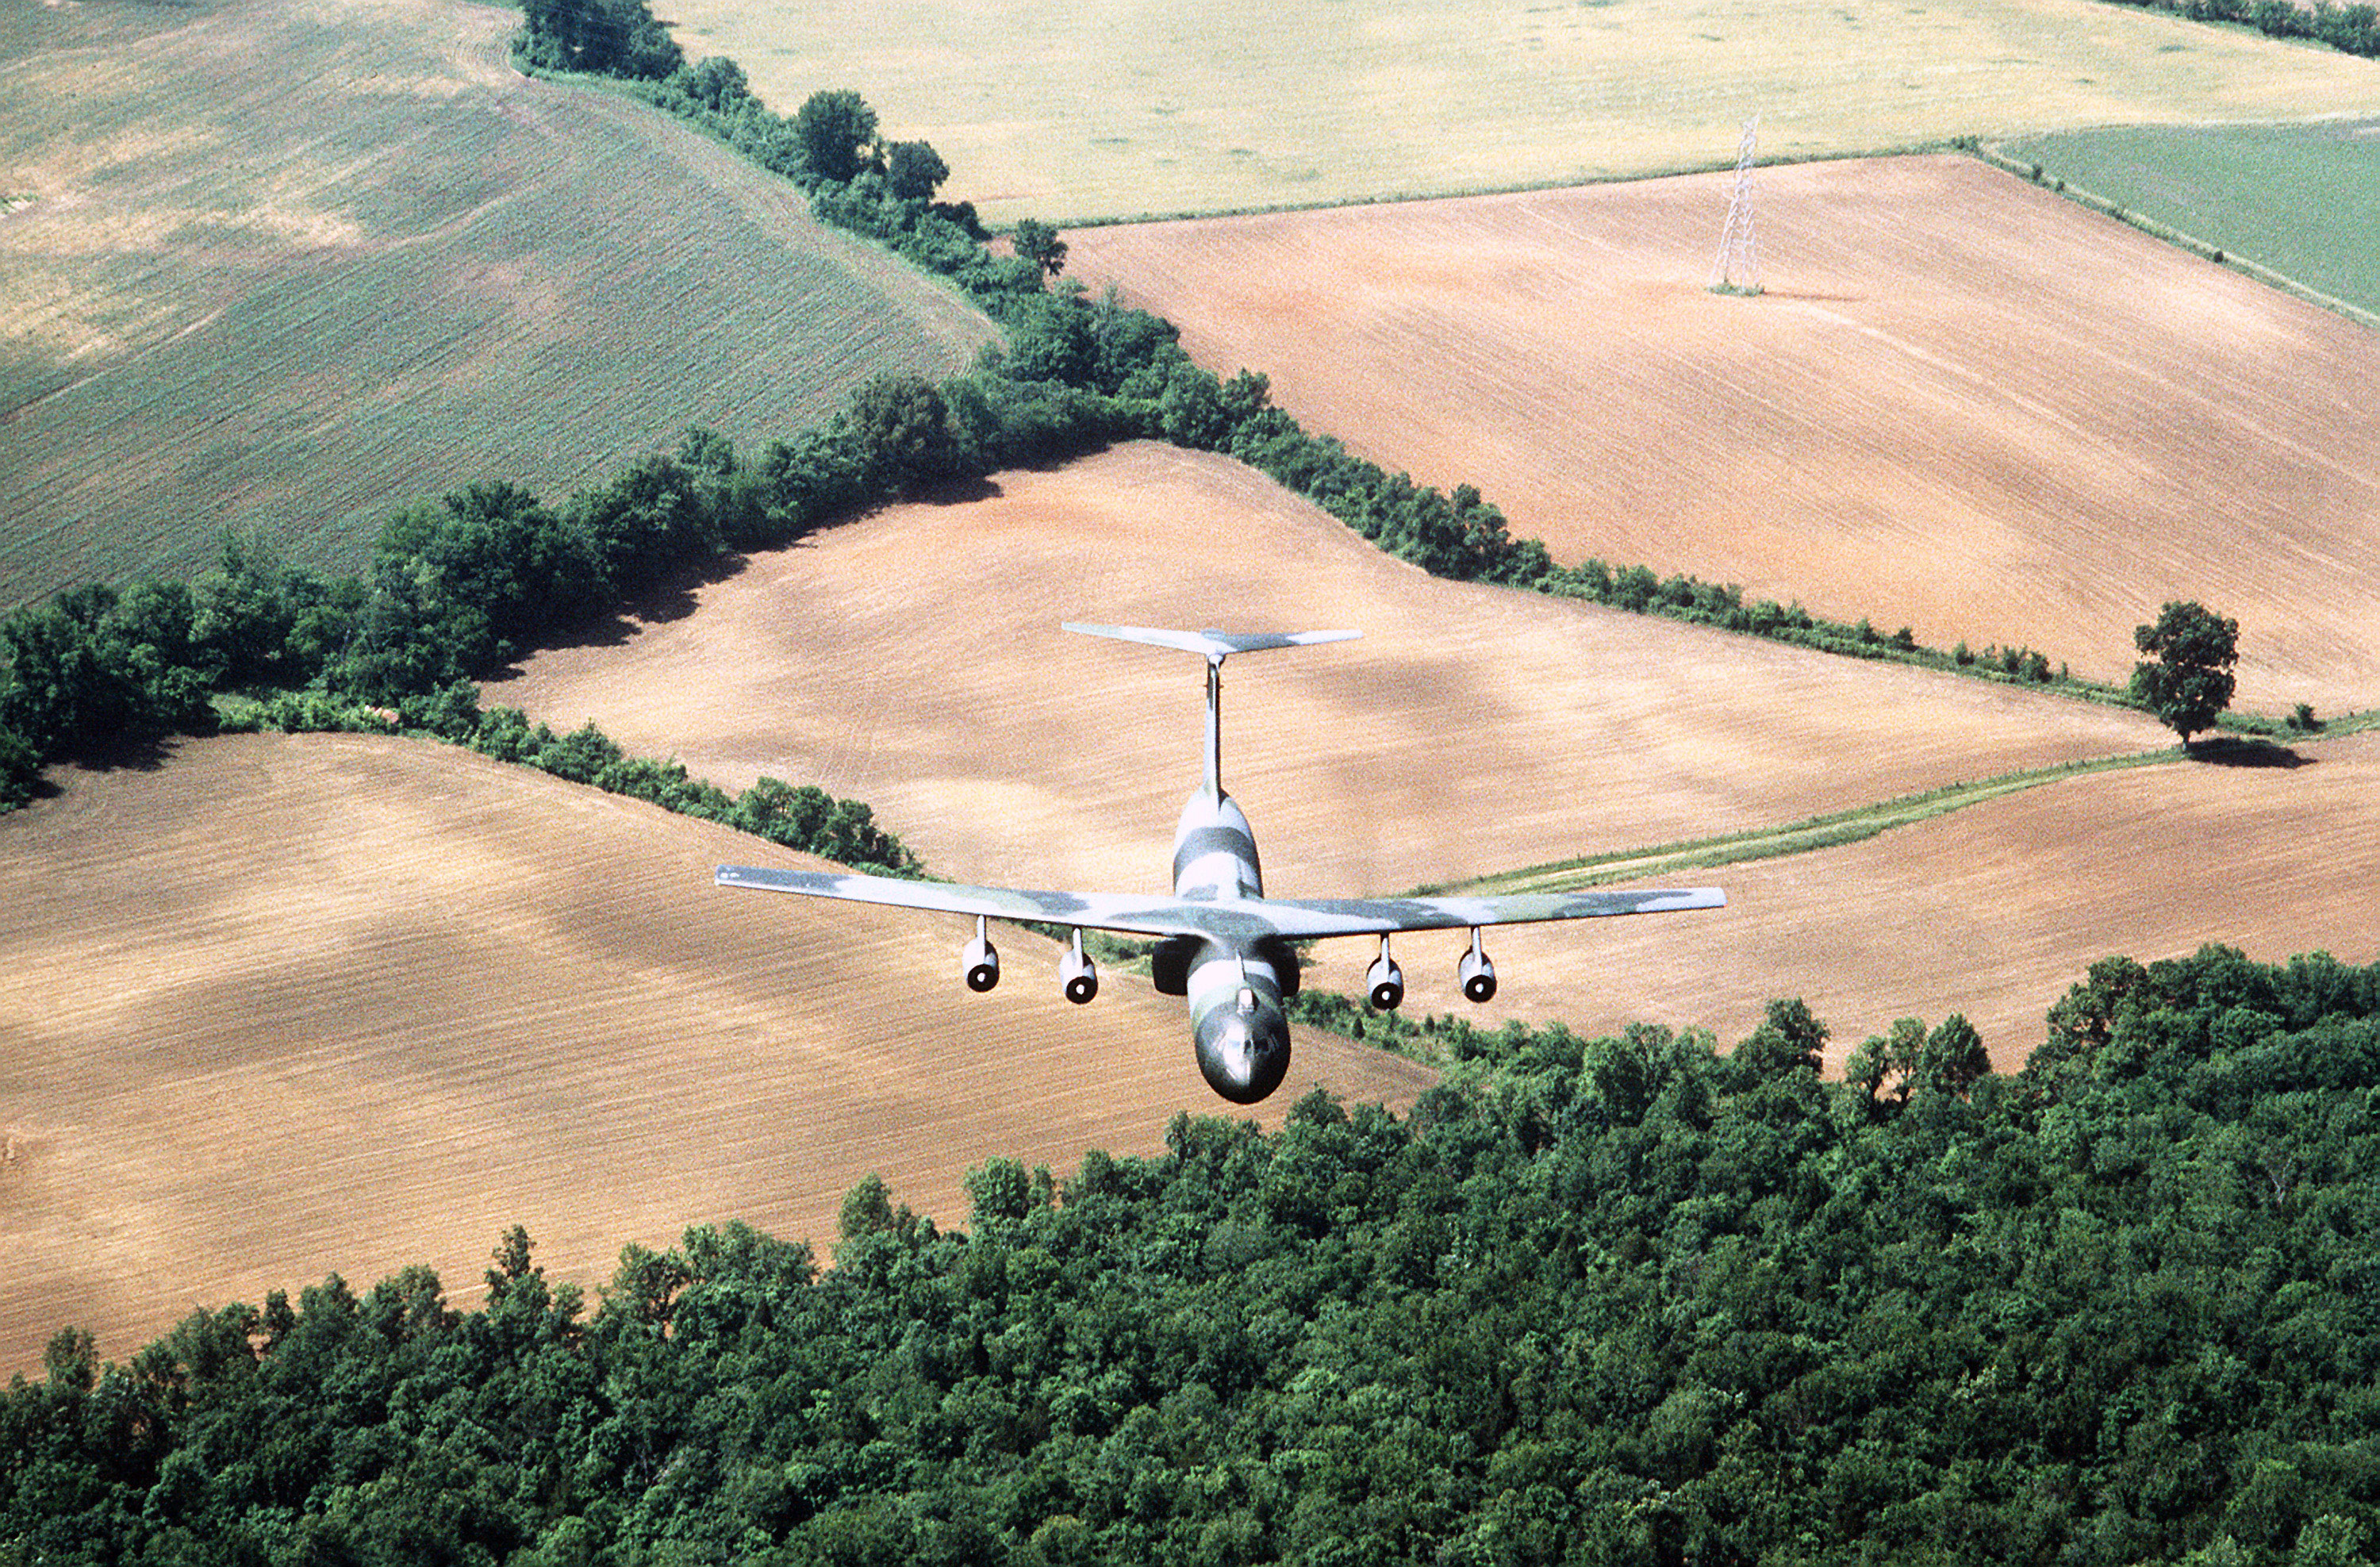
(1216, 646)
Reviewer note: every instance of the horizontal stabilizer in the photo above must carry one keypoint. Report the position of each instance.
(1216, 646)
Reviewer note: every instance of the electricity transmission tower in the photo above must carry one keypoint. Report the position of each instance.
(1739, 247)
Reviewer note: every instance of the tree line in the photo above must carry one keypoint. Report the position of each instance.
(1626, 1298)
(457, 589)
(2352, 29)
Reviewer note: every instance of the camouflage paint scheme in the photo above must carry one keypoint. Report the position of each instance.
(1225, 945)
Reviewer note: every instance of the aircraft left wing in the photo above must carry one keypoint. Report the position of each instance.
(1159, 916)
(1221, 919)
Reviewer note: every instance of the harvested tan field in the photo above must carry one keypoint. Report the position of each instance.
(912, 660)
(1073, 109)
(1964, 406)
(1993, 911)
(290, 1005)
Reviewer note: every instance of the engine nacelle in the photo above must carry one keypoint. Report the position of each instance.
(1385, 980)
(1078, 974)
(981, 961)
(1478, 975)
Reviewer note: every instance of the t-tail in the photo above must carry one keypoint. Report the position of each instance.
(1215, 646)
(1235, 988)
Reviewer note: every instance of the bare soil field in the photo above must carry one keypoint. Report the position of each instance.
(292, 266)
(1964, 404)
(1992, 911)
(914, 660)
(285, 1005)
(1103, 109)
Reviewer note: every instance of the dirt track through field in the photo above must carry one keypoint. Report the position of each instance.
(291, 1005)
(1964, 406)
(1995, 910)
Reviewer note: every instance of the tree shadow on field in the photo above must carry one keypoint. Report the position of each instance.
(2233, 750)
(118, 753)
(947, 493)
(959, 492)
(674, 597)
(1812, 297)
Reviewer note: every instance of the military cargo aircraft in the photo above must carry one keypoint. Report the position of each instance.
(1220, 942)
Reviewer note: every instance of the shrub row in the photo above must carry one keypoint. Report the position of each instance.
(806, 819)
(2353, 30)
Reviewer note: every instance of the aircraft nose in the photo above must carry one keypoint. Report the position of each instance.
(1245, 1063)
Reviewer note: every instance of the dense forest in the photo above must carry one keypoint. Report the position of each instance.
(1620, 1300)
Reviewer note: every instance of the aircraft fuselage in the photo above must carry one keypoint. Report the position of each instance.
(1235, 987)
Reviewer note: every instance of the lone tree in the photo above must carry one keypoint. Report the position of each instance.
(2190, 681)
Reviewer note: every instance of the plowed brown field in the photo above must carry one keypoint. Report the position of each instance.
(290, 1005)
(1992, 911)
(1964, 404)
(914, 660)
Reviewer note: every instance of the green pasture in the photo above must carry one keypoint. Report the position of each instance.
(2303, 199)
(1098, 109)
(292, 278)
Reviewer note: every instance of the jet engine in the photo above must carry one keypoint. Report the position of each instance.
(981, 961)
(1478, 974)
(1078, 973)
(1385, 980)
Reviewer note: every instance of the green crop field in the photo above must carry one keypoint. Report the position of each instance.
(1104, 109)
(2303, 200)
(263, 272)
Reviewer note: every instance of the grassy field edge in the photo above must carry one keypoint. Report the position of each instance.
(2035, 173)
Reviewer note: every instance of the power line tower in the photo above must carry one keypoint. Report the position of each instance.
(1738, 271)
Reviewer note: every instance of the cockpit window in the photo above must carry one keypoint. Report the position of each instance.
(1247, 999)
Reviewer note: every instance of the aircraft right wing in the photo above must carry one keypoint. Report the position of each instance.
(1297, 918)
(1241, 920)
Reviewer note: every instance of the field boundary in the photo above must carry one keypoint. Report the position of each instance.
(2035, 173)
(1471, 193)
(1861, 822)
(1830, 830)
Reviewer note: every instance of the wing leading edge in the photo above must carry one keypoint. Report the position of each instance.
(1240, 919)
